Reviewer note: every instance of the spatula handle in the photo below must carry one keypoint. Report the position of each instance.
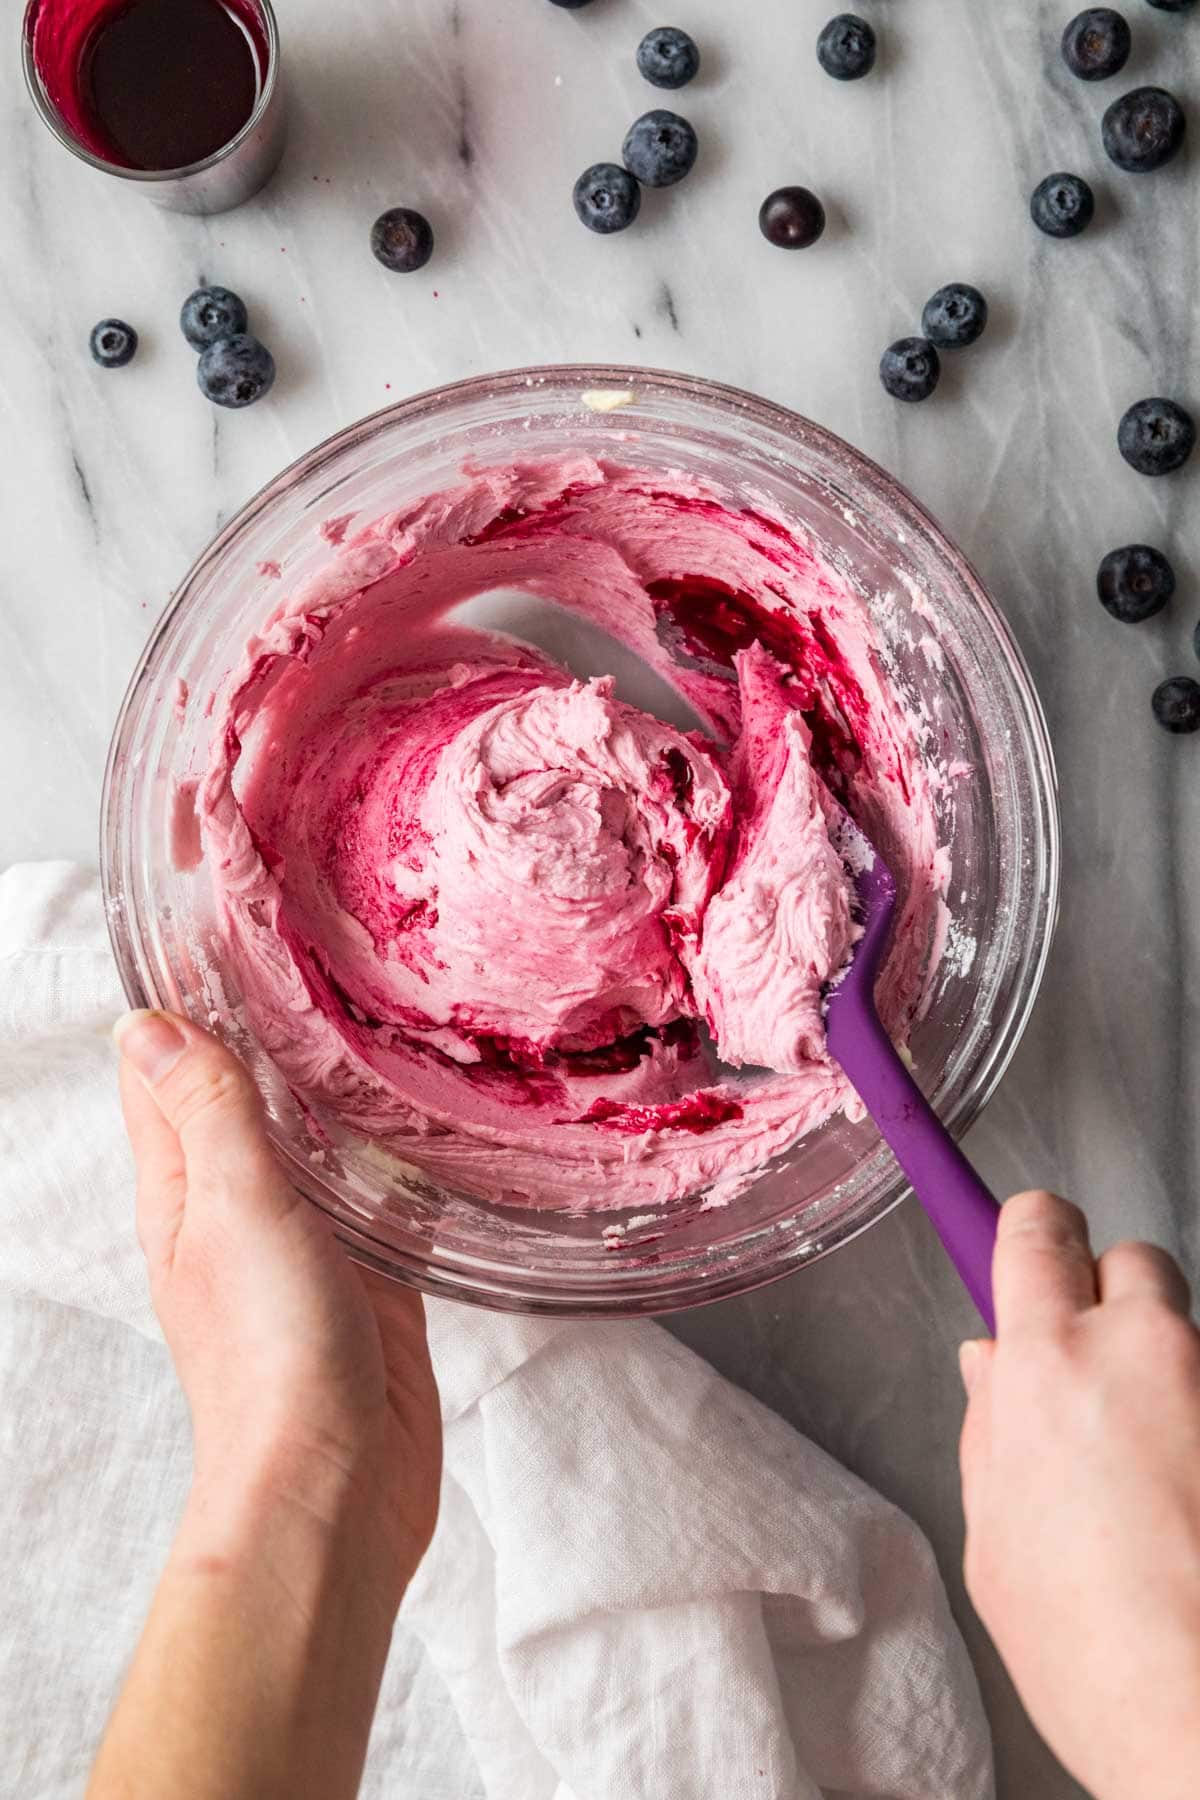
(963, 1209)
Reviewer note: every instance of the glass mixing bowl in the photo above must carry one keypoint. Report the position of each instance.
(950, 652)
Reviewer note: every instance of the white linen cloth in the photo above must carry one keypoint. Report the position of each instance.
(643, 1584)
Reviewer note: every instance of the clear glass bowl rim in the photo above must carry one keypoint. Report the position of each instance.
(622, 1292)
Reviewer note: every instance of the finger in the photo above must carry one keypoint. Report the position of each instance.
(400, 1311)
(208, 1099)
(158, 1159)
(401, 1306)
(1043, 1274)
(1143, 1271)
(975, 1361)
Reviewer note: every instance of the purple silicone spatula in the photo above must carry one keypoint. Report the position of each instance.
(964, 1212)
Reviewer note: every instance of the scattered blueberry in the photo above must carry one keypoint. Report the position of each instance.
(574, 5)
(1096, 44)
(660, 148)
(402, 240)
(113, 343)
(1171, 5)
(909, 369)
(955, 317)
(1176, 704)
(1134, 583)
(211, 313)
(668, 57)
(235, 371)
(1062, 205)
(1143, 129)
(791, 217)
(846, 48)
(1156, 436)
(607, 198)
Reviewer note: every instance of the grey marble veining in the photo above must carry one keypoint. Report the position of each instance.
(481, 112)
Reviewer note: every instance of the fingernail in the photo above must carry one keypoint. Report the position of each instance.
(152, 1042)
(969, 1359)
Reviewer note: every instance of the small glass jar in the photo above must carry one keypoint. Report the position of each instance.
(999, 822)
(224, 179)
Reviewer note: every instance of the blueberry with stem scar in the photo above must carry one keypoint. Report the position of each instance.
(1156, 436)
(910, 369)
(1062, 205)
(402, 240)
(1176, 704)
(660, 148)
(1143, 130)
(1096, 43)
(607, 198)
(235, 371)
(1134, 583)
(955, 317)
(668, 57)
(846, 48)
(113, 343)
(211, 313)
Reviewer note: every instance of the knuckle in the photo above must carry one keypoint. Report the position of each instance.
(1040, 1213)
(206, 1087)
(1042, 1222)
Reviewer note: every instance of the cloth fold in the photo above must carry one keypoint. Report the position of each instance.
(642, 1584)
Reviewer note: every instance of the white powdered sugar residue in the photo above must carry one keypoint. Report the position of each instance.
(855, 850)
(959, 951)
(918, 598)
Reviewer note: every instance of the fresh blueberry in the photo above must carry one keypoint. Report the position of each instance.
(1171, 5)
(659, 148)
(235, 371)
(1143, 129)
(1062, 205)
(402, 240)
(1156, 436)
(955, 317)
(909, 369)
(211, 313)
(607, 198)
(846, 48)
(1096, 44)
(1176, 704)
(574, 5)
(791, 217)
(668, 57)
(1134, 583)
(113, 343)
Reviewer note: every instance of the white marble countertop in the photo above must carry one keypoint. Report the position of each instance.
(481, 113)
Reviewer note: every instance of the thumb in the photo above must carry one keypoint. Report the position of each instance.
(208, 1101)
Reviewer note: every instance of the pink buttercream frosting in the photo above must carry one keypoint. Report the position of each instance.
(517, 931)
